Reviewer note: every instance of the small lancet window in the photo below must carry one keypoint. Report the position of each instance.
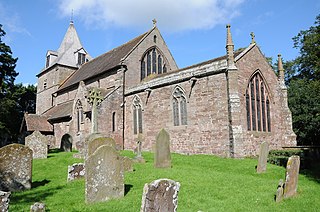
(179, 107)
(153, 62)
(257, 105)
(81, 58)
(137, 115)
(79, 109)
(45, 84)
(113, 121)
(155, 38)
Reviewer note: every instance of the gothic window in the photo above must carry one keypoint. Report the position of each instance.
(81, 58)
(152, 62)
(137, 115)
(179, 107)
(257, 105)
(79, 109)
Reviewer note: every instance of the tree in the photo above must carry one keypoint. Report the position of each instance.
(7, 66)
(303, 80)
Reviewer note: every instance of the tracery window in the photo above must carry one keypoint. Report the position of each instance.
(179, 107)
(258, 105)
(137, 115)
(152, 62)
(79, 115)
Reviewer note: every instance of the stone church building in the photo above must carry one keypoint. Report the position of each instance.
(225, 106)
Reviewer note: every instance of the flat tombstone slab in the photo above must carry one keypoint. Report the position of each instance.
(76, 171)
(104, 175)
(4, 200)
(292, 174)
(38, 207)
(15, 167)
(162, 156)
(38, 143)
(95, 143)
(160, 196)
(263, 157)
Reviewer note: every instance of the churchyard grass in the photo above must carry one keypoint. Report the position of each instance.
(208, 183)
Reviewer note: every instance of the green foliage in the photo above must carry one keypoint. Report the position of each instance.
(280, 157)
(7, 66)
(208, 183)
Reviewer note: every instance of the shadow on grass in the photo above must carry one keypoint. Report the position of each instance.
(32, 196)
(127, 188)
(36, 184)
(56, 150)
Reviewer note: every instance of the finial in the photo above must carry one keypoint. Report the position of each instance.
(71, 19)
(281, 72)
(154, 21)
(280, 66)
(230, 50)
(229, 38)
(252, 38)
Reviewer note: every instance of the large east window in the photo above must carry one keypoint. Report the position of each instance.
(152, 62)
(258, 105)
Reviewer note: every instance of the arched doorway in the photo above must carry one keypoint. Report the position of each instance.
(66, 143)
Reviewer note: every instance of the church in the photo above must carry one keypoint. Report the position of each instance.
(226, 106)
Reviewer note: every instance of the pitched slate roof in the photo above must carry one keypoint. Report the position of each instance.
(60, 111)
(37, 122)
(102, 63)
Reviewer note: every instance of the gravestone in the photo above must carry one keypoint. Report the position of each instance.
(279, 194)
(15, 167)
(38, 207)
(104, 175)
(160, 195)
(95, 143)
(263, 157)
(94, 99)
(4, 201)
(76, 171)
(292, 174)
(127, 164)
(66, 143)
(38, 143)
(162, 156)
(139, 158)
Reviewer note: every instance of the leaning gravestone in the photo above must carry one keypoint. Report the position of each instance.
(292, 174)
(160, 196)
(15, 167)
(76, 171)
(4, 201)
(263, 157)
(104, 175)
(38, 143)
(162, 156)
(95, 143)
(279, 194)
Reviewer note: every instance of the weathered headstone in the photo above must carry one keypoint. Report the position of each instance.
(160, 196)
(95, 143)
(139, 158)
(127, 164)
(38, 143)
(66, 143)
(15, 167)
(76, 171)
(263, 157)
(104, 175)
(279, 194)
(4, 201)
(162, 156)
(292, 174)
(38, 207)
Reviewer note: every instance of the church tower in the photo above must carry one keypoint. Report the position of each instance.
(59, 66)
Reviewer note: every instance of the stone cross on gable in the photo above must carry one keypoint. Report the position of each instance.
(94, 99)
(252, 38)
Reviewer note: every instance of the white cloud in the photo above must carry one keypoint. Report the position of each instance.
(172, 15)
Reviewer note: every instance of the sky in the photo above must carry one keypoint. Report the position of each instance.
(194, 30)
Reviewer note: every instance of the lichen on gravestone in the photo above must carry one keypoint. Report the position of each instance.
(263, 157)
(162, 156)
(4, 201)
(292, 175)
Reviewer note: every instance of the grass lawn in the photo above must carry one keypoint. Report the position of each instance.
(208, 183)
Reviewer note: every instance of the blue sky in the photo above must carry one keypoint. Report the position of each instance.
(194, 30)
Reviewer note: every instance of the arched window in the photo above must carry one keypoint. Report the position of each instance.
(152, 62)
(257, 105)
(79, 115)
(179, 107)
(137, 115)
